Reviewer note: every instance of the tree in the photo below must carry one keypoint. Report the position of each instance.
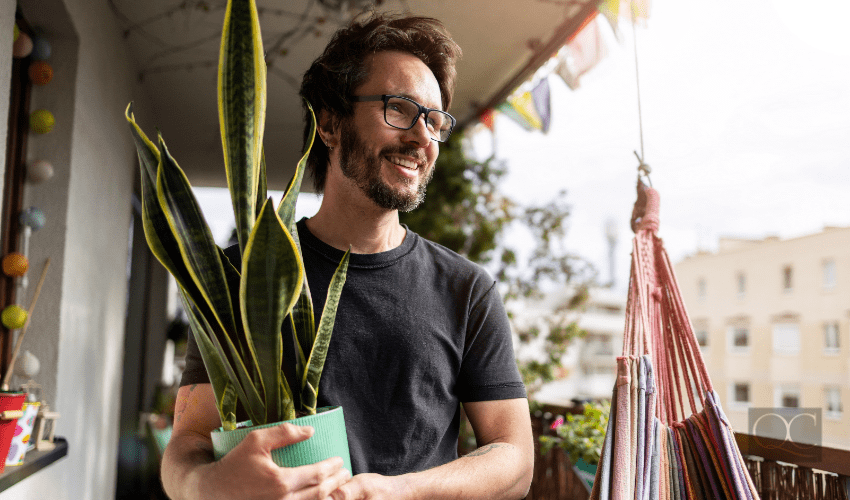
(466, 211)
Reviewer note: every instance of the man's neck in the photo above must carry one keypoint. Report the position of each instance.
(356, 221)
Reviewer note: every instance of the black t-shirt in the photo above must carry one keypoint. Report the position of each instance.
(419, 330)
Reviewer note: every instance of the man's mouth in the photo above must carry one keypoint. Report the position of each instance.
(408, 164)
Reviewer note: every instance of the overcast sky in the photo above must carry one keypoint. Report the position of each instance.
(746, 118)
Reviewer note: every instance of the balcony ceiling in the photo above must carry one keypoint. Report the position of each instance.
(175, 46)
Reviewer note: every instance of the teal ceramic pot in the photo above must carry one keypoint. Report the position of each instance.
(329, 439)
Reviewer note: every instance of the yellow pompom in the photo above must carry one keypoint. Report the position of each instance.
(15, 264)
(14, 317)
(42, 121)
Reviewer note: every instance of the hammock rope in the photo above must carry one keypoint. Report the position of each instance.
(667, 437)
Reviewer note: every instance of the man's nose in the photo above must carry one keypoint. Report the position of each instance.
(418, 134)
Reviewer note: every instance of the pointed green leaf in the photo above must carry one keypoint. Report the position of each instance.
(237, 374)
(272, 276)
(286, 209)
(242, 109)
(194, 238)
(157, 231)
(262, 183)
(212, 360)
(316, 363)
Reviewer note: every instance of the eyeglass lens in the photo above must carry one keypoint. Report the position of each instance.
(403, 114)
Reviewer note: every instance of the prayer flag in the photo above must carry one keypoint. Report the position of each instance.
(581, 54)
(541, 99)
(508, 110)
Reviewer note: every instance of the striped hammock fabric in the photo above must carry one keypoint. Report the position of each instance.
(667, 436)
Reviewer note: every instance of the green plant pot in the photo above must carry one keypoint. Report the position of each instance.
(329, 440)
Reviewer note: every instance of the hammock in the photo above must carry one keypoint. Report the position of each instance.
(663, 441)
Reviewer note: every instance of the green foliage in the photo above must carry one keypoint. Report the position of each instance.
(581, 436)
(237, 315)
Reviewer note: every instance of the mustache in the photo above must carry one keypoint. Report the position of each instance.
(414, 153)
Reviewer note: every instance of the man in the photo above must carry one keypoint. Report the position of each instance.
(419, 329)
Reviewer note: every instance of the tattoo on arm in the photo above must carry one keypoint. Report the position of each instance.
(486, 449)
(181, 405)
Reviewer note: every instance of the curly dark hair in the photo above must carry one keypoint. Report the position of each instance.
(341, 68)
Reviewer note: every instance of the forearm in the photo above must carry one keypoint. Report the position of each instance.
(494, 471)
(186, 455)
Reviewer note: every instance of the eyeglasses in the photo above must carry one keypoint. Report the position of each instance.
(403, 113)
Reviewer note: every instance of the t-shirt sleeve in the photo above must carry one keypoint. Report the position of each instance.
(195, 372)
(489, 371)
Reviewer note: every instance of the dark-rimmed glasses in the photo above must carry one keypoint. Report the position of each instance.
(403, 113)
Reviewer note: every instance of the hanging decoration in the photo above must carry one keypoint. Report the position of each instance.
(581, 54)
(508, 110)
(523, 103)
(22, 46)
(487, 118)
(14, 317)
(42, 121)
(541, 99)
(15, 264)
(40, 72)
(39, 171)
(41, 49)
(33, 218)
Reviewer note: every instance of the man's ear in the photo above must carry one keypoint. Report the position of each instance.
(328, 128)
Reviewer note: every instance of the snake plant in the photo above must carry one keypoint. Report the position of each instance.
(242, 319)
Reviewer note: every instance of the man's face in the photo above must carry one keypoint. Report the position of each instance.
(391, 166)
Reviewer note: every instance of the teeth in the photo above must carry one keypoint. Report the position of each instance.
(404, 163)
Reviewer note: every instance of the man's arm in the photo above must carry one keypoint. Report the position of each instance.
(189, 471)
(501, 468)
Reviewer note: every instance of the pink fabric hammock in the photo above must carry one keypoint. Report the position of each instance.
(667, 436)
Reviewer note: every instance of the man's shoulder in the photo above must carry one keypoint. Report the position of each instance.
(447, 259)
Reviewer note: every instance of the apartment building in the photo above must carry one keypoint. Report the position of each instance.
(588, 368)
(773, 321)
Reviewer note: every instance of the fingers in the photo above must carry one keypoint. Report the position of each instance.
(324, 488)
(307, 476)
(278, 436)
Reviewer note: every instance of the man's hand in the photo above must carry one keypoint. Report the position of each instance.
(248, 471)
(372, 487)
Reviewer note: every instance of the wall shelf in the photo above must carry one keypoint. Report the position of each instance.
(33, 462)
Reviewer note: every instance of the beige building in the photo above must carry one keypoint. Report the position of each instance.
(773, 319)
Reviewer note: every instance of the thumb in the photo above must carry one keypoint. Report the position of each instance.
(281, 435)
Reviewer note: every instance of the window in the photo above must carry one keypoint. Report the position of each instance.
(831, 338)
(739, 338)
(702, 338)
(829, 276)
(833, 402)
(788, 396)
(786, 338)
(741, 393)
(787, 278)
(742, 284)
(701, 288)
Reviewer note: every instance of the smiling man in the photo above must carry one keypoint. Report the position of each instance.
(419, 330)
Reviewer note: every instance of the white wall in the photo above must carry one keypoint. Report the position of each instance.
(77, 330)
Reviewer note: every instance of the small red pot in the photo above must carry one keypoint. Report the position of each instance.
(9, 401)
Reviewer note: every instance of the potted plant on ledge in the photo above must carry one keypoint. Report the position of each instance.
(244, 318)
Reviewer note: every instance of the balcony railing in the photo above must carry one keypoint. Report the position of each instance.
(778, 469)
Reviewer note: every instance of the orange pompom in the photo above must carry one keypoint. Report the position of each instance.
(15, 264)
(40, 72)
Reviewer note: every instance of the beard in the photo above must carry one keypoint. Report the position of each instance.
(365, 170)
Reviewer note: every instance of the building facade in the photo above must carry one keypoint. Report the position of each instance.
(773, 321)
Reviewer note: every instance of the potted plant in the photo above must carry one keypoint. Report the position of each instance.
(243, 318)
(581, 437)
